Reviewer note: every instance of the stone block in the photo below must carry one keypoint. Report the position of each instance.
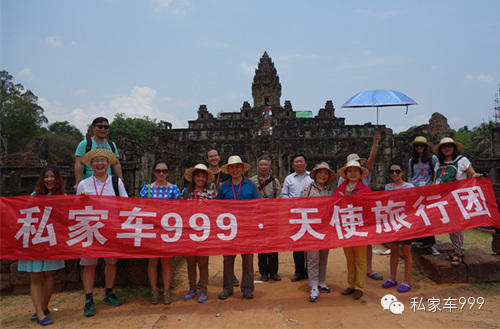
(495, 244)
(440, 270)
(482, 267)
(21, 289)
(18, 278)
(70, 272)
(5, 281)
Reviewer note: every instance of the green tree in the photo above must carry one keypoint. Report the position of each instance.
(136, 127)
(20, 115)
(64, 128)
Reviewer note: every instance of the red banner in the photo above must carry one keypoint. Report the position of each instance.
(68, 227)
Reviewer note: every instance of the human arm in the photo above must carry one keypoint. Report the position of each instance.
(373, 152)
(472, 173)
(285, 191)
(117, 169)
(78, 170)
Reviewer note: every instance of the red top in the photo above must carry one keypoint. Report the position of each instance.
(360, 188)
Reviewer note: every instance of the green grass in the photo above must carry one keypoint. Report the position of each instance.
(132, 292)
(477, 238)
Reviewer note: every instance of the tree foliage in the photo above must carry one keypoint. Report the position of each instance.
(136, 127)
(64, 128)
(20, 115)
(476, 141)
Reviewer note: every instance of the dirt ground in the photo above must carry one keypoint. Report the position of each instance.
(282, 304)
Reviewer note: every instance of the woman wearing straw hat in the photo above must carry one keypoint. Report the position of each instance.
(160, 189)
(238, 187)
(49, 182)
(421, 173)
(453, 166)
(100, 183)
(198, 177)
(353, 174)
(317, 260)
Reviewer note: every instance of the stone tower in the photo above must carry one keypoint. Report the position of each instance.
(266, 86)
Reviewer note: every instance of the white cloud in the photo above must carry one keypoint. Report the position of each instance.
(27, 73)
(162, 4)
(54, 41)
(177, 8)
(248, 69)
(482, 78)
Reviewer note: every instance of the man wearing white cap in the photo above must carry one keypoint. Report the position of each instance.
(238, 187)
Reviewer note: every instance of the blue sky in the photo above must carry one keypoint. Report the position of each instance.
(163, 58)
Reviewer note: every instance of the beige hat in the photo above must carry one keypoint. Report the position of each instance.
(364, 171)
(89, 156)
(447, 140)
(323, 165)
(355, 157)
(188, 174)
(235, 159)
(420, 140)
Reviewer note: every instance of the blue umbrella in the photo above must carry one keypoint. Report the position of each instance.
(379, 98)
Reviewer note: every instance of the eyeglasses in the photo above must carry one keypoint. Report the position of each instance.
(161, 171)
(100, 161)
(395, 171)
(419, 145)
(102, 126)
(446, 146)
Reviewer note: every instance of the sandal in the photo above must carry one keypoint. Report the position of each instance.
(457, 260)
(450, 255)
(375, 276)
(390, 284)
(404, 287)
(45, 322)
(34, 317)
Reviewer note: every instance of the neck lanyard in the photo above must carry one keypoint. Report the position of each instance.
(444, 168)
(95, 186)
(394, 186)
(263, 185)
(105, 147)
(322, 192)
(423, 167)
(165, 191)
(232, 186)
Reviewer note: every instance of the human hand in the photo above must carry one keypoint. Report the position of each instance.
(376, 137)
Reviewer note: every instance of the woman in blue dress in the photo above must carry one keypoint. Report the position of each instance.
(160, 189)
(49, 182)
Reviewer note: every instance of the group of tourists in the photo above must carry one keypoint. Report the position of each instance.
(95, 157)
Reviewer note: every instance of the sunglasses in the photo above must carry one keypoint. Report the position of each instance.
(419, 145)
(395, 171)
(161, 171)
(102, 126)
(446, 146)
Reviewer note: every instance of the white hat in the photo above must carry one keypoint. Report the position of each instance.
(188, 174)
(447, 140)
(355, 157)
(364, 172)
(235, 159)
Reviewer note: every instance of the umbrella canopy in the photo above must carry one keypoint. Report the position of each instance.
(379, 98)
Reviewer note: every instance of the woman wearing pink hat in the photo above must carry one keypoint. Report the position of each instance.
(453, 166)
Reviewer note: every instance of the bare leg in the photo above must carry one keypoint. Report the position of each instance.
(408, 262)
(167, 273)
(88, 278)
(394, 260)
(110, 275)
(48, 288)
(153, 273)
(36, 292)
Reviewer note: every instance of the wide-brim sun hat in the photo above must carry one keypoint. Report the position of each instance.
(420, 140)
(323, 165)
(188, 174)
(355, 157)
(91, 155)
(342, 171)
(235, 159)
(447, 140)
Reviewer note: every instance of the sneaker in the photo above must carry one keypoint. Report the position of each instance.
(89, 309)
(203, 297)
(112, 300)
(433, 250)
(324, 288)
(224, 295)
(389, 283)
(236, 282)
(154, 298)
(166, 298)
(313, 296)
(191, 293)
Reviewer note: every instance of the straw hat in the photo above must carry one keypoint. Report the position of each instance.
(235, 159)
(188, 174)
(354, 163)
(355, 157)
(447, 140)
(323, 165)
(420, 140)
(89, 156)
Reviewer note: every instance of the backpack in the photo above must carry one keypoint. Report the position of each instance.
(114, 180)
(89, 146)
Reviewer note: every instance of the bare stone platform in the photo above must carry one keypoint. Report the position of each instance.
(478, 266)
